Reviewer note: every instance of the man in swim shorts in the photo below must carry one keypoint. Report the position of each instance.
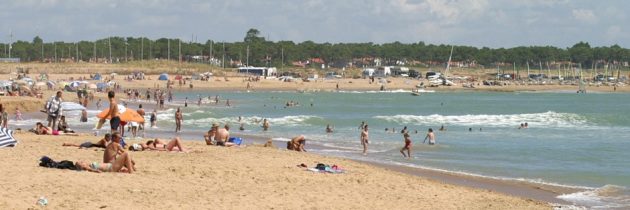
(113, 111)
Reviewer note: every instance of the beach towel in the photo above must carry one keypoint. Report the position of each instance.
(236, 140)
(323, 168)
(6, 138)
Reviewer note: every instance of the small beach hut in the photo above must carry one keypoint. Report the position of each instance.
(6, 138)
(163, 76)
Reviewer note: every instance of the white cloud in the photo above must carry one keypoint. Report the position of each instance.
(584, 15)
(494, 23)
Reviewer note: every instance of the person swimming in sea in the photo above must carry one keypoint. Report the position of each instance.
(329, 129)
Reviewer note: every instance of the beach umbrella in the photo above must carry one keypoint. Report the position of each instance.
(21, 82)
(74, 84)
(92, 86)
(71, 106)
(6, 138)
(51, 83)
(40, 84)
(126, 114)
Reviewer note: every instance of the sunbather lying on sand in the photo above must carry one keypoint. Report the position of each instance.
(158, 145)
(122, 164)
(101, 143)
(40, 129)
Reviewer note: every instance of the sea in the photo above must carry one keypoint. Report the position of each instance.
(579, 141)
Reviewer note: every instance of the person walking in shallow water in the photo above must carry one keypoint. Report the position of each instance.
(430, 136)
(364, 139)
(179, 118)
(406, 147)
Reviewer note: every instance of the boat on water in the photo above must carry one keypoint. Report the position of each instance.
(418, 92)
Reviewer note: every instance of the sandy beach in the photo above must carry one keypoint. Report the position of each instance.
(210, 177)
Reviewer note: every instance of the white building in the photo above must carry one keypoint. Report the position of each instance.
(258, 71)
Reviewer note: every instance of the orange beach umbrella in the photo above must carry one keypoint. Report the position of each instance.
(126, 115)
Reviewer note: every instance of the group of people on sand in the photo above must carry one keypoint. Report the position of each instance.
(218, 136)
(115, 157)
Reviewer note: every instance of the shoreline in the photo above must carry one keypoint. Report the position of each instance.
(523, 189)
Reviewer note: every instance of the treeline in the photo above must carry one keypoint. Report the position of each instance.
(255, 50)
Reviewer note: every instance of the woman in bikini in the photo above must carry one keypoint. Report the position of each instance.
(122, 164)
(159, 145)
(406, 147)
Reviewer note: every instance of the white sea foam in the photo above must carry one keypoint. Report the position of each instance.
(376, 91)
(545, 119)
(606, 197)
(290, 121)
(281, 139)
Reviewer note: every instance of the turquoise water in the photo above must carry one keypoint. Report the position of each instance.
(573, 139)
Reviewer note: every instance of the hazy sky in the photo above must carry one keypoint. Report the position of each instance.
(492, 23)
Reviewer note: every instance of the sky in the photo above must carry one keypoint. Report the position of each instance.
(479, 23)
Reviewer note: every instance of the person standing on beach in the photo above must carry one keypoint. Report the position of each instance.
(113, 111)
(407, 146)
(141, 113)
(364, 139)
(54, 110)
(178, 120)
(18, 114)
(430, 136)
(5, 117)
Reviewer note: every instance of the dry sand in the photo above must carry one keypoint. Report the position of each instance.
(212, 177)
